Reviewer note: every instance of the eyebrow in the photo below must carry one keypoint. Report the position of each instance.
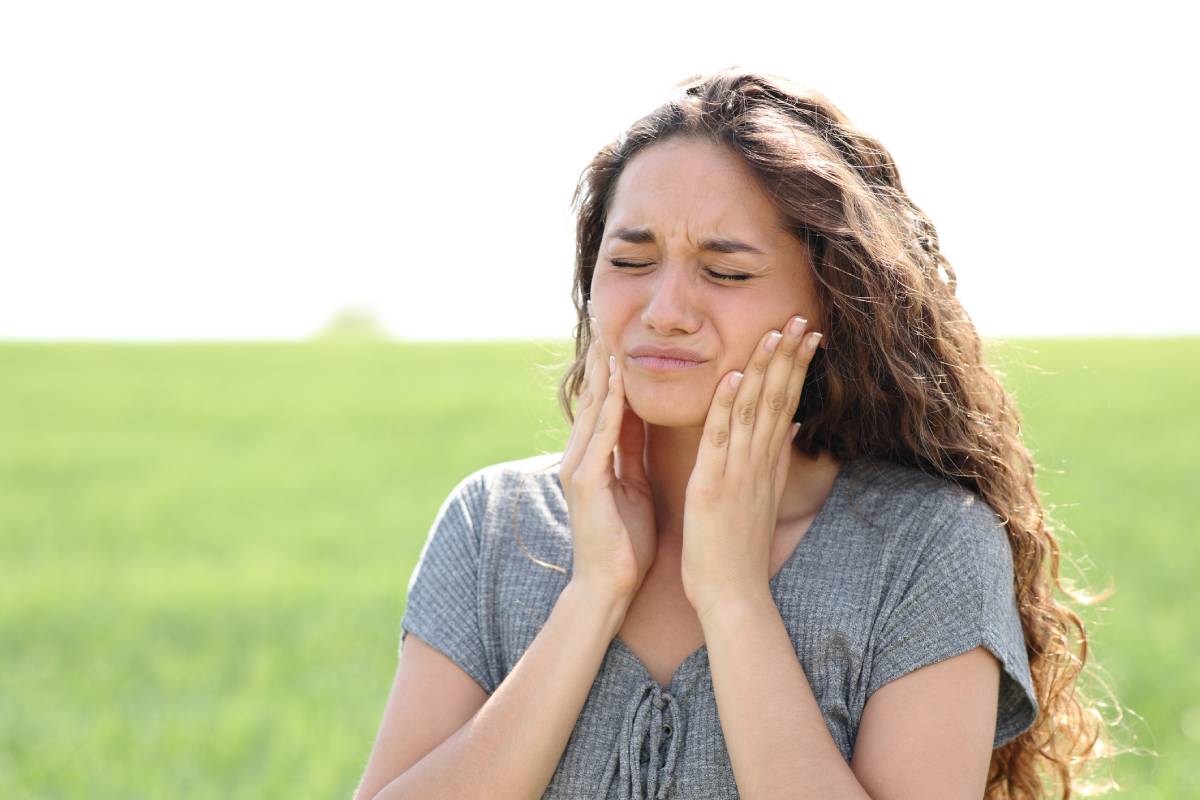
(715, 244)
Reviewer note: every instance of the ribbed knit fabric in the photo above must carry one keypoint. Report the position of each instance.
(899, 570)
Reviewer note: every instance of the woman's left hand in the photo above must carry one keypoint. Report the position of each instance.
(732, 499)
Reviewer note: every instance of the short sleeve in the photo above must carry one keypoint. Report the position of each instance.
(442, 607)
(960, 596)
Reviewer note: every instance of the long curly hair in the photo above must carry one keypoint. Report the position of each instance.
(903, 376)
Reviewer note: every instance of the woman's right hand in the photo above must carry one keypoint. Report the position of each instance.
(609, 500)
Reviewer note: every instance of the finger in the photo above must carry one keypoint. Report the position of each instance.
(714, 443)
(595, 389)
(774, 409)
(598, 460)
(631, 445)
(745, 404)
(583, 398)
(783, 463)
(804, 355)
(589, 367)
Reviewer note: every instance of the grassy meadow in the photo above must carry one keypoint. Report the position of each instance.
(204, 548)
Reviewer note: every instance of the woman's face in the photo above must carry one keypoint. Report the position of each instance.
(671, 200)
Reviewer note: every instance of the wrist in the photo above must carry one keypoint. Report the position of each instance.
(606, 605)
(716, 609)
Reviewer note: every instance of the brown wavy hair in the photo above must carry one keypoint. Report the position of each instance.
(903, 377)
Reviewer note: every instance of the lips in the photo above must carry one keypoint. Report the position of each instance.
(677, 353)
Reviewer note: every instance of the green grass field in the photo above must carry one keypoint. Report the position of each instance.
(204, 549)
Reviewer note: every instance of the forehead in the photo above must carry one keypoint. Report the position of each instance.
(693, 188)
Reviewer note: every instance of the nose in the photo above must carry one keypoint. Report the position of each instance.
(669, 309)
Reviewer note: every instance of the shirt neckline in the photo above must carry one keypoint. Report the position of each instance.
(819, 523)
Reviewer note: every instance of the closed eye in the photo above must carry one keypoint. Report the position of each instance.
(720, 275)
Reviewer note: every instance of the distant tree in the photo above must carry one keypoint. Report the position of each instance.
(353, 323)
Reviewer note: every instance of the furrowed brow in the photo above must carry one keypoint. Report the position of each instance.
(716, 244)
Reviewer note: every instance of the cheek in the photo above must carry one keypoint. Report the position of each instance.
(605, 297)
(739, 353)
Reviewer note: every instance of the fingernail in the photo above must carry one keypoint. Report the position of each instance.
(736, 379)
(796, 326)
(813, 340)
(795, 429)
(772, 341)
(612, 365)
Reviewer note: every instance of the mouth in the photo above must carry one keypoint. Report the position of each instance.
(662, 364)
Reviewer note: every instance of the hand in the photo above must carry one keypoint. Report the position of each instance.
(732, 500)
(609, 499)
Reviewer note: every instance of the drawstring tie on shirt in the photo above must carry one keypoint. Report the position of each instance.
(644, 715)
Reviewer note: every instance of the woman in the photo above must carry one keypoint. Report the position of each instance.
(806, 556)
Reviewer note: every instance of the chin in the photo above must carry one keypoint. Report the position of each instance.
(664, 408)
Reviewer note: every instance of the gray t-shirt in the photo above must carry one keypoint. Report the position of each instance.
(899, 570)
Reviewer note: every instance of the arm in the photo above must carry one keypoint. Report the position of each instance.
(927, 734)
(512, 746)
(778, 744)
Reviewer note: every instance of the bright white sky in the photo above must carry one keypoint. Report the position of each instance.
(242, 170)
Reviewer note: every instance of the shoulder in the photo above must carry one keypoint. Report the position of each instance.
(903, 489)
(513, 478)
(920, 514)
(525, 488)
(504, 477)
